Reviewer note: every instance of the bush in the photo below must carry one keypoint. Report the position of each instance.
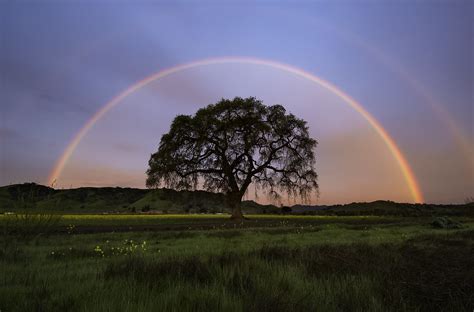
(445, 223)
(29, 225)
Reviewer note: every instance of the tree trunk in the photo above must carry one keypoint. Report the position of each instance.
(234, 201)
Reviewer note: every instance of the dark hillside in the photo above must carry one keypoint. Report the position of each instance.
(131, 200)
(22, 196)
(384, 208)
(116, 199)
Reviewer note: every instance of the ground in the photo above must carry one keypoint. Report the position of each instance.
(208, 263)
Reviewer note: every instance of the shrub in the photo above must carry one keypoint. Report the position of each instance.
(445, 223)
(29, 225)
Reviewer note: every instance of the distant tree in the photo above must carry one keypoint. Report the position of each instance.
(229, 145)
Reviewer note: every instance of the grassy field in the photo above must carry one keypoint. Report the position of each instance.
(208, 263)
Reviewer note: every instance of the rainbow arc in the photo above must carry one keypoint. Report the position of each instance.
(398, 156)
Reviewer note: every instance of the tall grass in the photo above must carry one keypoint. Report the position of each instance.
(421, 273)
(28, 225)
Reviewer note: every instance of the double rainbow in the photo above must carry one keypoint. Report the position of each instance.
(387, 139)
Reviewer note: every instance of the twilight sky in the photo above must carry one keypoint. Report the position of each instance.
(408, 64)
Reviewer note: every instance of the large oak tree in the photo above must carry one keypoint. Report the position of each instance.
(229, 145)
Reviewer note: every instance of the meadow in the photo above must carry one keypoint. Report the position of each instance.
(208, 263)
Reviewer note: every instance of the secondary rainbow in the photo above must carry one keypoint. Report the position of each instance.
(466, 146)
(405, 168)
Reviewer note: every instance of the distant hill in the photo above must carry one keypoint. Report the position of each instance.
(117, 199)
(384, 207)
(131, 200)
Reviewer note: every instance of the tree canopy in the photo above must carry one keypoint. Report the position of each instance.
(229, 145)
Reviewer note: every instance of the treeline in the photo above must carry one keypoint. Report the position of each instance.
(384, 208)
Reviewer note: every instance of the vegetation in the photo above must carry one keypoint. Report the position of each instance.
(232, 144)
(299, 263)
(379, 256)
(116, 199)
(41, 199)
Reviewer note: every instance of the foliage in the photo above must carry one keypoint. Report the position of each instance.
(445, 223)
(29, 225)
(234, 143)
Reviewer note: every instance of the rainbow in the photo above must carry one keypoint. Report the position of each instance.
(387, 139)
(441, 113)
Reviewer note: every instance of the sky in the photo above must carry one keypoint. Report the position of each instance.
(409, 64)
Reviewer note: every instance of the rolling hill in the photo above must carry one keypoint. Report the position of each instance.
(41, 198)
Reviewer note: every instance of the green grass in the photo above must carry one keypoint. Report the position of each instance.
(290, 264)
(144, 219)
